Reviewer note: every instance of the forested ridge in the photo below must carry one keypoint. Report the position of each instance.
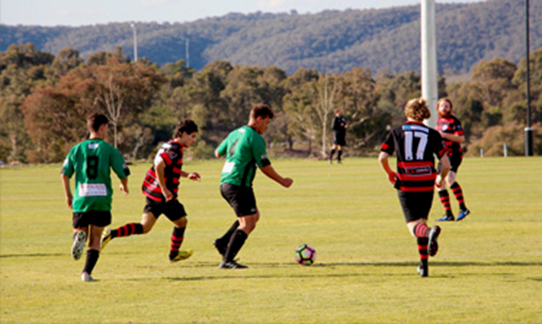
(44, 99)
(384, 40)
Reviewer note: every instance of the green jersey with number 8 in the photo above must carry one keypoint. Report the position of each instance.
(244, 149)
(92, 161)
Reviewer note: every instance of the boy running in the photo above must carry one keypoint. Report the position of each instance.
(91, 161)
(161, 186)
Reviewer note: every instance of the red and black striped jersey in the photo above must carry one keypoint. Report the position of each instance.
(451, 125)
(415, 144)
(172, 154)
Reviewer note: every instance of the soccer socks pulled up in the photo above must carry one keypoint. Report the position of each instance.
(458, 193)
(331, 153)
(225, 239)
(127, 230)
(422, 250)
(92, 259)
(339, 154)
(177, 238)
(421, 230)
(236, 243)
(445, 200)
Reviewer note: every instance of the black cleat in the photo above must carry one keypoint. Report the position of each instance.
(220, 247)
(432, 247)
(231, 265)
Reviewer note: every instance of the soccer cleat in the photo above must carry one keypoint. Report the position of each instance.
(446, 218)
(330, 161)
(182, 255)
(86, 277)
(432, 247)
(423, 271)
(231, 265)
(78, 246)
(221, 248)
(462, 214)
(106, 237)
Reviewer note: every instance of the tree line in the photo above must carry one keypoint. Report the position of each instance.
(44, 100)
(384, 40)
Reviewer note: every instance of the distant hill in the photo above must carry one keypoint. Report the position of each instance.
(385, 40)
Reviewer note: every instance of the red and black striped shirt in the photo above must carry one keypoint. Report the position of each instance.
(172, 154)
(415, 144)
(451, 125)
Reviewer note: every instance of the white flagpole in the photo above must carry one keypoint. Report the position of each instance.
(429, 59)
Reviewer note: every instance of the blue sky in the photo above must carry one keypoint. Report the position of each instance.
(91, 12)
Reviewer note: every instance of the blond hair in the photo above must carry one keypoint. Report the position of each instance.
(417, 109)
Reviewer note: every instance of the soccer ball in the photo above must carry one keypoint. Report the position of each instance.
(305, 254)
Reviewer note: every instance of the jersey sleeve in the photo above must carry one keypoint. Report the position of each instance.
(389, 145)
(223, 147)
(437, 144)
(119, 166)
(259, 152)
(458, 129)
(68, 167)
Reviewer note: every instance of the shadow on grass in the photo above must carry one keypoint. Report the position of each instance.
(222, 274)
(32, 255)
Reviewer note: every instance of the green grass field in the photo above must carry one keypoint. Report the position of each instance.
(488, 270)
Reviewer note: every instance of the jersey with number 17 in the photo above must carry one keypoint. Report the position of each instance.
(91, 161)
(415, 145)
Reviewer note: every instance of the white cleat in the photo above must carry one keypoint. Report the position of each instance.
(86, 277)
(78, 246)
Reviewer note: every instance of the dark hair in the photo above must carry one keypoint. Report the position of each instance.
(95, 121)
(417, 109)
(261, 110)
(185, 126)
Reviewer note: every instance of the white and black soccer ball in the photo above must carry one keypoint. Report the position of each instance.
(305, 254)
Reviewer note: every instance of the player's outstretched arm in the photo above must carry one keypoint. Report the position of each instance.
(383, 160)
(124, 185)
(67, 190)
(269, 171)
(194, 176)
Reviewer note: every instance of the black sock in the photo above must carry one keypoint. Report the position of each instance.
(92, 259)
(339, 153)
(422, 250)
(225, 239)
(331, 154)
(236, 243)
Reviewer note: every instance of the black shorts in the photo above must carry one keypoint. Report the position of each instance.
(416, 205)
(96, 217)
(173, 209)
(339, 138)
(455, 162)
(241, 199)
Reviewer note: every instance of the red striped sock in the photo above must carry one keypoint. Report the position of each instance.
(421, 230)
(127, 230)
(445, 200)
(458, 193)
(177, 238)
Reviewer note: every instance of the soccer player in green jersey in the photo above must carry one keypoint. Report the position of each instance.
(91, 161)
(245, 150)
